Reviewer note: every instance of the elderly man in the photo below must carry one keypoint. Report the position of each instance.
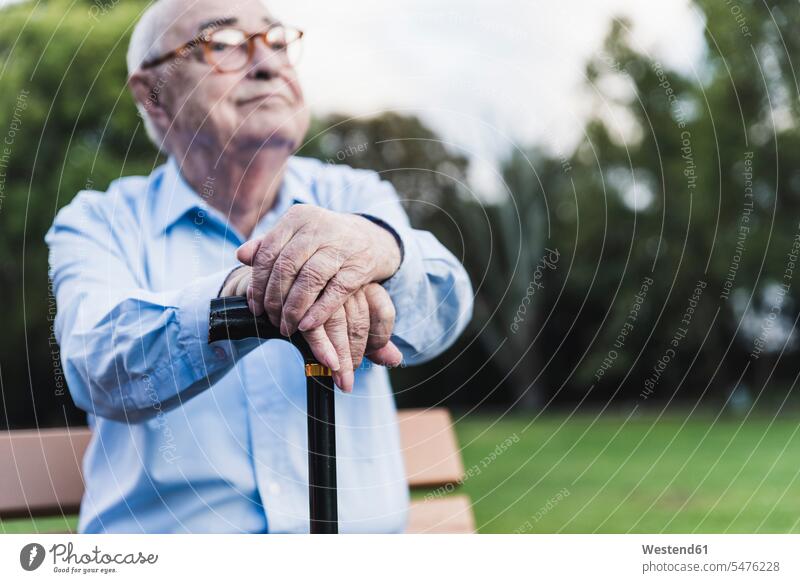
(196, 438)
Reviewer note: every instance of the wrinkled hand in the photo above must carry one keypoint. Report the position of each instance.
(311, 262)
(361, 327)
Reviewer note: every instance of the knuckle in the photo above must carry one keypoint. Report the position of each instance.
(311, 337)
(292, 313)
(313, 277)
(285, 266)
(361, 322)
(272, 303)
(337, 319)
(315, 337)
(265, 255)
(358, 333)
(334, 254)
(258, 279)
(341, 285)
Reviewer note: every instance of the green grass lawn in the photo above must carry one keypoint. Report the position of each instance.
(677, 474)
(56, 524)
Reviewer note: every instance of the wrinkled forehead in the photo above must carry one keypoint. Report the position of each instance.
(185, 19)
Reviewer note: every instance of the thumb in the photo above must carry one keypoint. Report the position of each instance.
(247, 252)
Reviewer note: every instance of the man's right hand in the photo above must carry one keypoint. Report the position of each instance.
(362, 327)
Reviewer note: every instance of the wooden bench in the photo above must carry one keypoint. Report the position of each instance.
(40, 472)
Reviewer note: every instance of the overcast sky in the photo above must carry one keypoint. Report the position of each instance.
(482, 74)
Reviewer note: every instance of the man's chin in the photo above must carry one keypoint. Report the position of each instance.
(270, 127)
(271, 137)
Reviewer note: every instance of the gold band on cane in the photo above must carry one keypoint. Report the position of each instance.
(317, 370)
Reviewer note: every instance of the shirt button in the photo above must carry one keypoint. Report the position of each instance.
(220, 353)
(274, 489)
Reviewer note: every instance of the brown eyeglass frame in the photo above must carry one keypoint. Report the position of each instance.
(204, 38)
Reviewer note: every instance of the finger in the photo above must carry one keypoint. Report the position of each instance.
(336, 328)
(381, 316)
(322, 348)
(242, 282)
(267, 250)
(312, 279)
(388, 355)
(341, 286)
(357, 311)
(230, 286)
(284, 271)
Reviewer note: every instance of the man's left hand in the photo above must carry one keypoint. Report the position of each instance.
(314, 259)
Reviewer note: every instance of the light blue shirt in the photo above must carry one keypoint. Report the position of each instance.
(196, 438)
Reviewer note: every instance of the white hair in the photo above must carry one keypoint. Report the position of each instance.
(145, 44)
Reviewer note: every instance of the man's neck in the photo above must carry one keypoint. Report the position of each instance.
(241, 186)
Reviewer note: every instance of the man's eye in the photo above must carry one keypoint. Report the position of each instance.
(219, 47)
(279, 46)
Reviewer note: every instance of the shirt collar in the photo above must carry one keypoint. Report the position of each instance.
(174, 198)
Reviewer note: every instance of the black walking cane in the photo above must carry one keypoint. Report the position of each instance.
(231, 319)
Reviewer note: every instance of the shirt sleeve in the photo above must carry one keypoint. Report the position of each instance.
(127, 352)
(431, 290)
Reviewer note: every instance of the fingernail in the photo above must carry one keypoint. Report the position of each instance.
(347, 381)
(306, 324)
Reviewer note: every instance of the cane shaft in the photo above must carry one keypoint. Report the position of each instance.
(322, 499)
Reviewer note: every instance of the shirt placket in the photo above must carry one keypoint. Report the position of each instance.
(271, 415)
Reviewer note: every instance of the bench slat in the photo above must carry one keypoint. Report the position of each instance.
(430, 448)
(41, 471)
(449, 515)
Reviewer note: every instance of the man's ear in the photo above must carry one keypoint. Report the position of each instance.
(145, 92)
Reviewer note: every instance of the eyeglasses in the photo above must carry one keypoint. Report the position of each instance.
(231, 49)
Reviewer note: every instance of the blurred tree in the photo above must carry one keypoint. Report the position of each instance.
(411, 156)
(510, 269)
(67, 123)
(677, 180)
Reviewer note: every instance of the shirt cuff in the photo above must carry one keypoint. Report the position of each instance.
(202, 358)
(383, 224)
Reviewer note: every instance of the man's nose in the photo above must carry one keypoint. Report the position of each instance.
(266, 62)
